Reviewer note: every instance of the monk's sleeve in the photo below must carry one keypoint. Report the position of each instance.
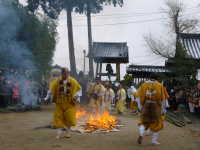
(91, 89)
(166, 93)
(124, 94)
(51, 84)
(112, 94)
(141, 94)
(163, 93)
(53, 88)
(75, 88)
(165, 104)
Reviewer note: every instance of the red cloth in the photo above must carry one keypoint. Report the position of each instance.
(15, 92)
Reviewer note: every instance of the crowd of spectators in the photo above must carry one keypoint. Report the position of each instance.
(181, 100)
(11, 87)
(185, 100)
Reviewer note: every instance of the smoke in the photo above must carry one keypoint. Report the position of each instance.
(15, 54)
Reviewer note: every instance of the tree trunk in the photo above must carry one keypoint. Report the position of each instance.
(90, 51)
(176, 26)
(71, 42)
(177, 45)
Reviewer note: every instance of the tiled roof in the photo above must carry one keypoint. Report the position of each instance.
(107, 50)
(147, 69)
(191, 42)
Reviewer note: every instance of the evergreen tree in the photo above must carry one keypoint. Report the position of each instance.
(92, 7)
(53, 8)
(27, 41)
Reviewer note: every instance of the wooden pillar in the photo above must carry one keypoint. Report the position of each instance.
(91, 68)
(97, 69)
(100, 70)
(133, 79)
(118, 71)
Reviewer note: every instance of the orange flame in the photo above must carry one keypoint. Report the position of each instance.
(80, 113)
(101, 121)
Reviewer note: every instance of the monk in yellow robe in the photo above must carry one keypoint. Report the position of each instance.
(49, 95)
(121, 100)
(151, 94)
(90, 87)
(108, 97)
(55, 74)
(134, 103)
(97, 93)
(64, 91)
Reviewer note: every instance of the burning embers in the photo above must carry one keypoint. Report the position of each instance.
(98, 122)
(102, 121)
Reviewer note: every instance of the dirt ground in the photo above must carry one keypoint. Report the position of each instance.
(17, 133)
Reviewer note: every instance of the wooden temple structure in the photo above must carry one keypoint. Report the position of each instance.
(141, 73)
(190, 42)
(110, 53)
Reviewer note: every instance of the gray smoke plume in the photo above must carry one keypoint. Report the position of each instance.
(15, 53)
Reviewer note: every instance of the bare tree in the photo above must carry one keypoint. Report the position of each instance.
(177, 24)
(160, 47)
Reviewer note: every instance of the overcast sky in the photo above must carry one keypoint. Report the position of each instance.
(128, 24)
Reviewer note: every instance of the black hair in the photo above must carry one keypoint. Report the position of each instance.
(153, 75)
(63, 70)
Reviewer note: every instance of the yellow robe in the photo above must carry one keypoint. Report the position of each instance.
(90, 89)
(109, 95)
(121, 95)
(52, 82)
(154, 91)
(166, 94)
(99, 90)
(65, 111)
(134, 104)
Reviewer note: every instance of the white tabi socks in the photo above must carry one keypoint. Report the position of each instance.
(60, 133)
(155, 138)
(67, 132)
(153, 134)
(148, 132)
(63, 132)
(141, 130)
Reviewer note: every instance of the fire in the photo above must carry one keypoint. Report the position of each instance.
(98, 121)
(80, 113)
(101, 121)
